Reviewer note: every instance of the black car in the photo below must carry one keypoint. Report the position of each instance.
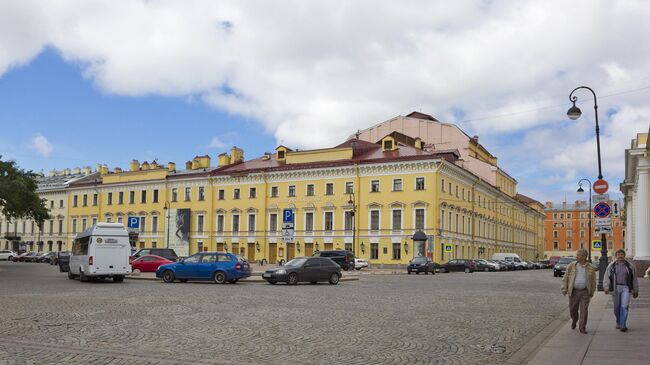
(167, 253)
(485, 265)
(467, 266)
(344, 258)
(63, 260)
(509, 265)
(421, 264)
(305, 269)
(560, 268)
(46, 258)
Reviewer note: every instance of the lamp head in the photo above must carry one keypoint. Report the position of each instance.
(574, 112)
(581, 190)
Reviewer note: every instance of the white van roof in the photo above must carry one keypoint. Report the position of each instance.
(104, 229)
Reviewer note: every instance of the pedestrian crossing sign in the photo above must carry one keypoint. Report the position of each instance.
(596, 245)
(449, 248)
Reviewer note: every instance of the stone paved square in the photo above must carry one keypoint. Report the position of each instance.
(479, 318)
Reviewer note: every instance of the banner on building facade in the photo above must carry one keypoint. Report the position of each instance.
(179, 234)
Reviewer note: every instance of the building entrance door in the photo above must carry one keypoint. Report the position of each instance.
(291, 251)
(273, 253)
(251, 252)
(329, 246)
(309, 249)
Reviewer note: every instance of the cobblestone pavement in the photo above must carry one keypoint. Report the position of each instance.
(480, 318)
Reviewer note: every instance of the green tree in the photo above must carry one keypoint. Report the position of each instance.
(18, 197)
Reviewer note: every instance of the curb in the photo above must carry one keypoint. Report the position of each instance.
(251, 279)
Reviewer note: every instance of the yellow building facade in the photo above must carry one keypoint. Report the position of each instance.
(368, 197)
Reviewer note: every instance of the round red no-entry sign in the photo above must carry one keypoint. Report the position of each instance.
(601, 186)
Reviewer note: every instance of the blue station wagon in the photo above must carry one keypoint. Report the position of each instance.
(219, 267)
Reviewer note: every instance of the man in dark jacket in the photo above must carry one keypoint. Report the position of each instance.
(620, 279)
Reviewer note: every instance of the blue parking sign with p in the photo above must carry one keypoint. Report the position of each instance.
(133, 222)
(287, 216)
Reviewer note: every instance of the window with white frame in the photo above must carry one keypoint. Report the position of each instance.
(236, 193)
(154, 224)
(74, 225)
(83, 224)
(419, 218)
(309, 222)
(329, 221)
(199, 223)
(252, 193)
(235, 223)
(349, 220)
(188, 194)
(374, 186)
(94, 221)
(131, 197)
(374, 220)
(221, 195)
(397, 219)
(329, 189)
(310, 189)
(349, 187)
(273, 222)
(251, 223)
(220, 223)
(292, 190)
(419, 183)
(143, 221)
(274, 191)
(397, 184)
(174, 195)
(442, 219)
(201, 193)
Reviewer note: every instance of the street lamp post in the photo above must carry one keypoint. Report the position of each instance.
(581, 190)
(354, 213)
(574, 113)
(167, 209)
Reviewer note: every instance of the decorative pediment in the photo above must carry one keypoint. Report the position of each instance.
(420, 203)
(396, 204)
(309, 206)
(142, 212)
(235, 210)
(154, 212)
(220, 211)
(374, 205)
(251, 210)
(328, 206)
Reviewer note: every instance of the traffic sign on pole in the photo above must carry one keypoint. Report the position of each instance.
(596, 245)
(287, 225)
(602, 210)
(600, 198)
(601, 186)
(133, 222)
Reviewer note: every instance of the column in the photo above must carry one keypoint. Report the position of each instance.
(642, 215)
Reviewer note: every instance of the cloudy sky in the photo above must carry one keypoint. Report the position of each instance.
(87, 82)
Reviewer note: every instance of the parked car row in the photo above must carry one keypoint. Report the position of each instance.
(30, 256)
(427, 266)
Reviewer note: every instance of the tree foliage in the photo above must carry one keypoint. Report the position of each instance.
(18, 197)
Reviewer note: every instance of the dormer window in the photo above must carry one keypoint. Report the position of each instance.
(388, 145)
(281, 155)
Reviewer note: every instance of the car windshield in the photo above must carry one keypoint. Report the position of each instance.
(296, 262)
(419, 260)
(566, 260)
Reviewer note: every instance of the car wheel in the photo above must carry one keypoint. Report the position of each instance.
(409, 272)
(486, 269)
(168, 276)
(219, 277)
(313, 282)
(357, 268)
(70, 275)
(183, 280)
(292, 279)
(334, 279)
(83, 277)
(118, 279)
(272, 282)
(467, 270)
(426, 273)
(233, 281)
(136, 271)
(417, 273)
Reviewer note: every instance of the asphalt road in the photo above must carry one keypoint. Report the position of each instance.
(457, 318)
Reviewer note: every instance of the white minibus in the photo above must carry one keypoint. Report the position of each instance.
(101, 251)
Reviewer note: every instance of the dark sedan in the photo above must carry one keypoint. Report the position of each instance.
(305, 269)
(467, 266)
(421, 264)
(560, 268)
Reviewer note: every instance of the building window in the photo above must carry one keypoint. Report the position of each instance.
(235, 193)
(555, 245)
(188, 193)
(309, 222)
(397, 184)
(450, 189)
(388, 145)
(131, 197)
(274, 191)
(419, 183)
(83, 224)
(199, 223)
(329, 189)
(310, 189)
(292, 190)
(349, 187)
(74, 226)
(155, 196)
(220, 223)
(109, 199)
(568, 233)
(397, 219)
(222, 194)
(568, 245)
(61, 203)
(582, 234)
(143, 196)
(51, 226)
(349, 221)
(120, 197)
(419, 219)
(443, 187)
(119, 219)
(235, 223)
(252, 193)
(201, 193)
(84, 200)
(374, 220)
(154, 224)
(280, 155)
(463, 194)
(561, 216)
(109, 220)
(273, 222)
(555, 234)
(397, 251)
(60, 226)
(251, 223)
(329, 221)
(568, 215)
(456, 191)
(174, 194)
(143, 223)
(374, 186)
(374, 251)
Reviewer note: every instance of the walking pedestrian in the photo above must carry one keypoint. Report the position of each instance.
(621, 280)
(580, 283)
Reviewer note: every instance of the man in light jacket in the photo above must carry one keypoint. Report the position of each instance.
(580, 283)
(620, 279)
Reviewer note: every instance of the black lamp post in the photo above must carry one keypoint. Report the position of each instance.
(573, 114)
(351, 201)
(167, 209)
(581, 190)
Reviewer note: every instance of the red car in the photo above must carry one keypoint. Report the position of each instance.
(149, 263)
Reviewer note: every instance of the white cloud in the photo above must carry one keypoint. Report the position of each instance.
(312, 72)
(41, 145)
(215, 142)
